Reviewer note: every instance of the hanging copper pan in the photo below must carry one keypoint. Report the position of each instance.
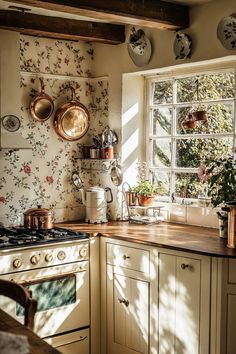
(71, 120)
(41, 107)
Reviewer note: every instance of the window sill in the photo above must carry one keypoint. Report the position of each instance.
(190, 214)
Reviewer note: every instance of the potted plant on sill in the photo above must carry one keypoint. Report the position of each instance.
(145, 191)
(220, 176)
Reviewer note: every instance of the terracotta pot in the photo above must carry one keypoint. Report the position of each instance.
(145, 200)
(189, 124)
(200, 115)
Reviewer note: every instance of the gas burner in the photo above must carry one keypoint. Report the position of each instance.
(19, 236)
(3, 239)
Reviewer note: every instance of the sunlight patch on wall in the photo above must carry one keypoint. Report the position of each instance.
(129, 114)
(130, 145)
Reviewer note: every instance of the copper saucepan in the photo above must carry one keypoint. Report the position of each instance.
(71, 120)
(42, 106)
(39, 218)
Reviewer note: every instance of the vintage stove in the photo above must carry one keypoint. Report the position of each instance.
(54, 265)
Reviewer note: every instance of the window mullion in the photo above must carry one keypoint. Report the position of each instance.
(173, 138)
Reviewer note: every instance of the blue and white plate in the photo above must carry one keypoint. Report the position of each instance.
(182, 45)
(226, 32)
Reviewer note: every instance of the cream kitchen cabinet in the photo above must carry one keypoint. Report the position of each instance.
(129, 308)
(184, 303)
(223, 339)
(153, 300)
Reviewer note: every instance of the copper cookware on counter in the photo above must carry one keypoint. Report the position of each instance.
(39, 218)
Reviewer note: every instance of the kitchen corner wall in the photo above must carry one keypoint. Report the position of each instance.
(42, 176)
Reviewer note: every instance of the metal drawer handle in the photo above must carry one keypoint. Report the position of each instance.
(184, 266)
(126, 257)
(82, 338)
(123, 301)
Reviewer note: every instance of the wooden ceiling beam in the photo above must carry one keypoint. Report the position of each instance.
(147, 13)
(61, 28)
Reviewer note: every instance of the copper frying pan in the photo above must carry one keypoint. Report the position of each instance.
(41, 107)
(71, 120)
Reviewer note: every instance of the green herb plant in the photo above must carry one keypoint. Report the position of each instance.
(146, 188)
(222, 180)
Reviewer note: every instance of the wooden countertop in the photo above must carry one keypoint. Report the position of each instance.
(37, 345)
(180, 237)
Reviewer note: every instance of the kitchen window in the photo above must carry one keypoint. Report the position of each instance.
(178, 142)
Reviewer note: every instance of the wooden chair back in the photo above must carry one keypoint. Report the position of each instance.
(23, 297)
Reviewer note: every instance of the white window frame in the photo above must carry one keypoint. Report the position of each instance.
(148, 118)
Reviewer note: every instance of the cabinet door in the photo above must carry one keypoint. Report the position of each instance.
(128, 314)
(180, 312)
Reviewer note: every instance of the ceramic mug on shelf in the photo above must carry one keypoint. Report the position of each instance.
(107, 152)
(94, 153)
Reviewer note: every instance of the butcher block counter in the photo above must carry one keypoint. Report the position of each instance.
(180, 237)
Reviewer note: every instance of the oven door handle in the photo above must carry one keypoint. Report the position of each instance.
(47, 278)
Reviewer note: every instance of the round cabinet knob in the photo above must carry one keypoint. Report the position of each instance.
(83, 252)
(34, 259)
(48, 257)
(125, 257)
(17, 263)
(61, 255)
(184, 266)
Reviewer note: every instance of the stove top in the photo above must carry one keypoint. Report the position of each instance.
(20, 237)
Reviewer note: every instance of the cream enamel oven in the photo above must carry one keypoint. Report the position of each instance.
(57, 273)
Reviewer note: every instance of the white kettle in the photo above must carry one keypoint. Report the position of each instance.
(96, 201)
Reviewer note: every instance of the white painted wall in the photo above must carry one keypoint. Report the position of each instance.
(126, 83)
(114, 61)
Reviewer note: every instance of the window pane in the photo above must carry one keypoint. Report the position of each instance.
(188, 185)
(163, 179)
(162, 92)
(191, 152)
(213, 86)
(162, 121)
(219, 119)
(161, 152)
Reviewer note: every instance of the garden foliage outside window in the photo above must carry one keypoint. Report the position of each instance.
(175, 151)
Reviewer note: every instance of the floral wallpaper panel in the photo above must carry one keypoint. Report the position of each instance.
(42, 176)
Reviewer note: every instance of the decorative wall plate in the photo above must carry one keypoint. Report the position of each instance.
(11, 123)
(182, 45)
(226, 32)
(139, 47)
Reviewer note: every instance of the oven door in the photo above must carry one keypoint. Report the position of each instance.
(62, 293)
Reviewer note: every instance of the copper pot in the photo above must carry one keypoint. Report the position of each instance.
(39, 218)
(42, 106)
(71, 120)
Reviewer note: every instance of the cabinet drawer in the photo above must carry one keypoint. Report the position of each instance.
(128, 257)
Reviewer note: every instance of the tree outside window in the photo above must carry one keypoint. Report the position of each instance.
(176, 148)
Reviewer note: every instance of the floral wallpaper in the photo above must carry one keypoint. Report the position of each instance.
(42, 176)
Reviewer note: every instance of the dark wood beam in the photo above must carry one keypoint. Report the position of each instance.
(147, 13)
(61, 28)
